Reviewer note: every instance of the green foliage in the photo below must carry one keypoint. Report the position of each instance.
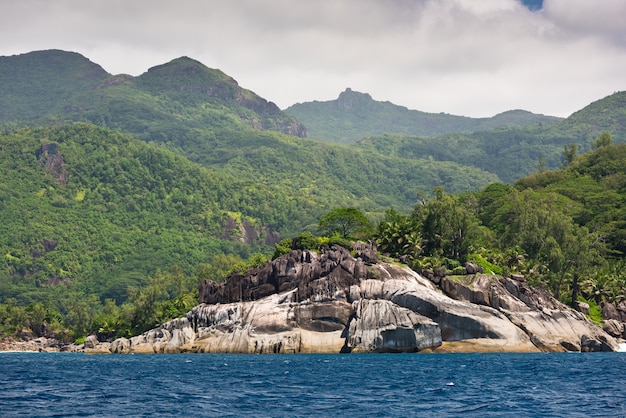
(604, 141)
(606, 284)
(595, 312)
(337, 239)
(220, 267)
(560, 229)
(488, 267)
(399, 235)
(569, 154)
(283, 247)
(353, 116)
(90, 229)
(346, 222)
(448, 226)
(307, 241)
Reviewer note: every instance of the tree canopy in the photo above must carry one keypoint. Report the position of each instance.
(347, 222)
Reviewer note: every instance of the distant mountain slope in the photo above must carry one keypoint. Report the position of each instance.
(605, 115)
(353, 116)
(42, 83)
(511, 153)
(203, 114)
(85, 203)
(56, 85)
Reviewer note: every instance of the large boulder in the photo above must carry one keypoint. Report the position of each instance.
(120, 346)
(334, 301)
(614, 328)
(590, 345)
(91, 342)
(382, 326)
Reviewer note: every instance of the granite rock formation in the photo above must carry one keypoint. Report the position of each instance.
(615, 319)
(341, 301)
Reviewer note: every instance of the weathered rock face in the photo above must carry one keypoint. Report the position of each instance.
(615, 319)
(305, 302)
(382, 326)
(48, 155)
(318, 277)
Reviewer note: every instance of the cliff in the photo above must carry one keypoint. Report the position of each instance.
(342, 301)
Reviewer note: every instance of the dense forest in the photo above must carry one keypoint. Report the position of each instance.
(120, 194)
(562, 229)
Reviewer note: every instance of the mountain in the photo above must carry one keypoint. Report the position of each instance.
(43, 83)
(604, 115)
(204, 115)
(98, 209)
(512, 153)
(353, 116)
(54, 85)
(108, 180)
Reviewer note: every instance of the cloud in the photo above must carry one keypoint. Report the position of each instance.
(468, 57)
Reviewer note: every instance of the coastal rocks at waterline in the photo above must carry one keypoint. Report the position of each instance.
(614, 318)
(337, 301)
(40, 344)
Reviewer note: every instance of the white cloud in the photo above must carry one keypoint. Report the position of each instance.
(466, 57)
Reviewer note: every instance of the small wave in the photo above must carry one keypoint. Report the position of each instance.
(621, 348)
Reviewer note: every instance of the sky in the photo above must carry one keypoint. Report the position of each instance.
(465, 57)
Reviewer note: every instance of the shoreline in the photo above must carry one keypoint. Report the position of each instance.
(38, 345)
(49, 345)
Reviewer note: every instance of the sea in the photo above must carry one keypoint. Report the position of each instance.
(305, 385)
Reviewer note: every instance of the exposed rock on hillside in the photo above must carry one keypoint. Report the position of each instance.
(308, 302)
(615, 319)
(50, 157)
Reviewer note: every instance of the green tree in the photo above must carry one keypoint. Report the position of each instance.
(219, 268)
(541, 165)
(551, 238)
(604, 141)
(399, 235)
(569, 154)
(449, 226)
(347, 222)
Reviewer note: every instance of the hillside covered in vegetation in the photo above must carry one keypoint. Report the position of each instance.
(121, 193)
(563, 230)
(354, 116)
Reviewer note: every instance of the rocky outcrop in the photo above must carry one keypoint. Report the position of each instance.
(52, 160)
(550, 324)
(342, 301)
(382, 326)
(43, 345)
(615, 319)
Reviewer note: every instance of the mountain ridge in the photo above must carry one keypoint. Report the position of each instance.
(355, 115)
(68, 85)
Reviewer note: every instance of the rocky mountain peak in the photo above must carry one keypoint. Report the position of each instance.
(350, 99)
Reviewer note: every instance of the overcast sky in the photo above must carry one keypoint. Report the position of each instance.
(465, 57)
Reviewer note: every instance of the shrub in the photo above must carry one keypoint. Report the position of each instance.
(337, 239)
(487, 266)
(458, 271)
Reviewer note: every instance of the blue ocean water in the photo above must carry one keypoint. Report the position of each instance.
(403, 385)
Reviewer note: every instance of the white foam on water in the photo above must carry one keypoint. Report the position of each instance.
(621, 348)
